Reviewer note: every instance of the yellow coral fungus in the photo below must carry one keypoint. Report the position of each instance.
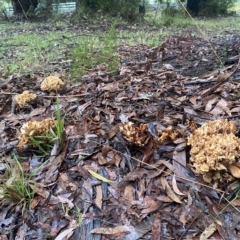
(168, 134)
(52, 83)
(214, 147)
(133, 134)
(25, 98)
(33, 129)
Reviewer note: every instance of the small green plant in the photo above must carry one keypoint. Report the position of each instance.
(93, 52)
(66, 210)
(79, 216)
(16, 186)
(236, 96)
(233, 195)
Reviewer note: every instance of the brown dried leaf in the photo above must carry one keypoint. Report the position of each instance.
(184, 216)
(234, 170)
(208, 231)
(175, 187)
(128, 193)
(66, 233)
(119, 231)
(210, 104)
(180, 163)
(169, 191)
(220, 107)
(65, 182)
(156, 227)
(67, 201)
(150, 204)
(164, 198)
(98, 200)
(113, 131)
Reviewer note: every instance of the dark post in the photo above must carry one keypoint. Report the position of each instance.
(193, 6)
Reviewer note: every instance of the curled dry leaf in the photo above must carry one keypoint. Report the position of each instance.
(175, 187)
(169, 191)
(234, 170)
(65, 233)
(208, 231)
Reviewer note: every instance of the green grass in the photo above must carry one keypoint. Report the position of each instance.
(102, 50)
(24, 50)
(17, 186)
(181, 21)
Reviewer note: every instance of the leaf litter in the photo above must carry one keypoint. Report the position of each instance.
(123, 170)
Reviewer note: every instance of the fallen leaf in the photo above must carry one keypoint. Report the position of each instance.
(128, 193)
(234, 170)
(98, 200)
(175, 187)
(65, 200)
(169, 191)
(113, 232)
(99, 177)
(208, 231)
(65, 233)
(179, 163)
(156, 227)
(149, 205)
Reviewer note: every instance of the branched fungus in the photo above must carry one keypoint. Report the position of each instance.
(168, 134)
(52, 83)
(215, 150)
(25, 98)
(35, 129)
(133, 134)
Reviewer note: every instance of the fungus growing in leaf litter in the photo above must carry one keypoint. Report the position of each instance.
(25, 98)
(168, 134)
(133, 134)
(52, 83)
(33, 129)
(215, 151)
(139, 136)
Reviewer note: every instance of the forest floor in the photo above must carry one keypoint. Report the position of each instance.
(149, 151)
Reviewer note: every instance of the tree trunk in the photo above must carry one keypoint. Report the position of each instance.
(195, 6)
(21, 6)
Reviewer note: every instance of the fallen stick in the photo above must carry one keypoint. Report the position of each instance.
(222, 78)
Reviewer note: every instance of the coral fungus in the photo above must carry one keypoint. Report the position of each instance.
(168, 134)
(52, 83)
(214, 150)
(25, 98)
(133, 134)
(33, 129)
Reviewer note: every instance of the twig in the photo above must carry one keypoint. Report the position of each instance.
(190, 225)
(64, 96)
(227, 76)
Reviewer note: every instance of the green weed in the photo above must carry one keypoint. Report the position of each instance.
(16, 186)
(95, 51)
